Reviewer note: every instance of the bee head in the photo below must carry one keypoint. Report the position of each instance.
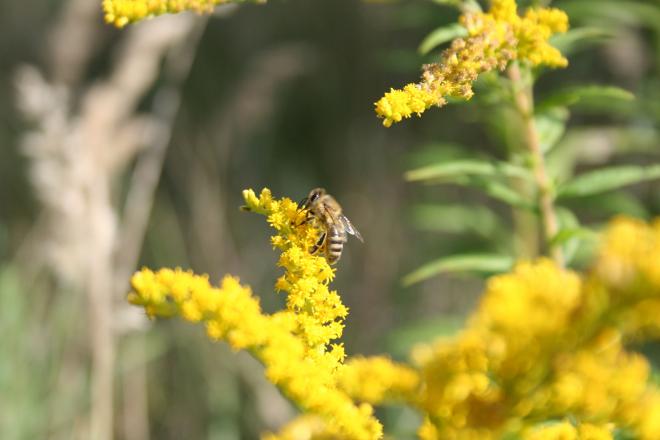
(311, 198)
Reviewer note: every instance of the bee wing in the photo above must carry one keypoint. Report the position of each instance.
(350, 228)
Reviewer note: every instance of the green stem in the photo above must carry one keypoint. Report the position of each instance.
(524, 104)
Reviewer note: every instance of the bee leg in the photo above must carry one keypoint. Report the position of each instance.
(308, 217)
(319, 244)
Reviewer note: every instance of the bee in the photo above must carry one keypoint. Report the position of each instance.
(335, 226)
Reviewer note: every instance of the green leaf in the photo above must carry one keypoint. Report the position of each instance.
(460, 168)
(566, 235)
(624, 434)
(499, 191)
(551, 125)
(571, 234)
(440, 36)
(578, 38)
(489, 176)
(615, 203)
(615, 12)
(568, 221)
(587, 96)
(476, 263)
(607, 179)
(456, 219)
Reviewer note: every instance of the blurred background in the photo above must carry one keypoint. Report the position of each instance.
(128, 148)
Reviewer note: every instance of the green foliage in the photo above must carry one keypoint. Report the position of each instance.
(490, 177)
(607, 179)
(587, 96)
(455, 170)
(580, 38)
(551, 126)
(440, 36)
(485, 264)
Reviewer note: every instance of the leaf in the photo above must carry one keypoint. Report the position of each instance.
(564, 236)
(617, 12)
(499, 191)
(615, 203)
(441, 35)
(567, 222)
(482, 174)
(456, 219)
(571, 234)
(458, 168)
(587, 96)
(578, 38)
(551, 125)
(607, 179)
(479, 263)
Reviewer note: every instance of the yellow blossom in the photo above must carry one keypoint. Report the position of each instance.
(543, 357)
(305, 427)
(377, 379)
(630, 255)
(535, 300)
(566, 431)
(494, 39)
(122, 12)
(545, 343)
(555, 431)
(295, 345)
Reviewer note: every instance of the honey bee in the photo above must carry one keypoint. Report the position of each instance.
(335, 226)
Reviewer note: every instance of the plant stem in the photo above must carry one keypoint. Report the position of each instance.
(524, 104)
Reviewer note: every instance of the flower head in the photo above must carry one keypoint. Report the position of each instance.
(494, 39)
(543, 357)
(296, 344)
(122, 12)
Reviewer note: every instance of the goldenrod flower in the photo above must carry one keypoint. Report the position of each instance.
(631, 255)
(122, 12)
(494, 39)
(378, 379)
(566, 431)
(294, 344)
(543, 357)
(305, 427)
(545, 343)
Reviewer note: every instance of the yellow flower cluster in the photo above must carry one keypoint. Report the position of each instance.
(546, 344)
(122, 12)
(305, 427)
(377, 379)
(543, 357)
(631, 254)
(566, 431)
(494, 39)
(293, 344)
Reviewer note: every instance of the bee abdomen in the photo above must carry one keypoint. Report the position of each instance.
(335, 245)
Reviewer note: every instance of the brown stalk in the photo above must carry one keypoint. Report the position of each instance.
(524, 104)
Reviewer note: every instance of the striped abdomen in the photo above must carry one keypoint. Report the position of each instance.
(334, 243)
